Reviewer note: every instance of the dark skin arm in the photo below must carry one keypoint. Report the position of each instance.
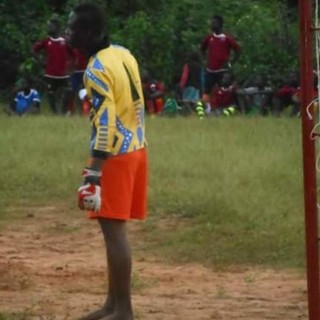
(96, 163)
(97, 160)
(236, 55)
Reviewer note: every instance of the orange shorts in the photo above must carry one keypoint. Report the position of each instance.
(124, 187)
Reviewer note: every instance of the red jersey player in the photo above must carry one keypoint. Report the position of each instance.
(80, 65)
(217, 47)
(58, 56)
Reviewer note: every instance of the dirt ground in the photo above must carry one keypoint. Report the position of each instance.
(54, 268)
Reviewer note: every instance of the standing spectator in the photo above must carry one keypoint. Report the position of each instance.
(257, 97)
(58, 56)
(80, 64)
(115, 180)
(217, 47)
(224, 101)
(190, 81)
(25, 100)
(284, 96)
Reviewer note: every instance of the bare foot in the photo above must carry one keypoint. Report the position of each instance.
(98, 314)
(117, 316)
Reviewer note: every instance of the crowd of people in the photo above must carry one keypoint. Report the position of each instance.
(215, 89)
(205, 91)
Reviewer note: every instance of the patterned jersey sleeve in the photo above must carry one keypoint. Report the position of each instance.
(99, 86)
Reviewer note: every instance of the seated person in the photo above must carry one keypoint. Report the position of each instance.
(283, 96)
(224, 99)
(153, 92)
(25, 100)
(257, 97)
(190, 81)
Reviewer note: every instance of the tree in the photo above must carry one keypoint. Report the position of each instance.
(161, 33)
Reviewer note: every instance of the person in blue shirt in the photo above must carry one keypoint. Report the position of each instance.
(26, 100)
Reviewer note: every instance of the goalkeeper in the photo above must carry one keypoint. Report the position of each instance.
(114, 188)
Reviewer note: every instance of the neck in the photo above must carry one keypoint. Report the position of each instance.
(96, 47)
(54, 35)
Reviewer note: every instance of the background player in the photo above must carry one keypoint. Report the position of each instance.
(217, 48)
(58, 58)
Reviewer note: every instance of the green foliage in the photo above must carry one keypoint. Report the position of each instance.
(21, 24)
(162, 33)
(161, 38)
(264, 49)
(227, 189)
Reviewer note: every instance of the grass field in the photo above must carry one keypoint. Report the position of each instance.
(228, 191)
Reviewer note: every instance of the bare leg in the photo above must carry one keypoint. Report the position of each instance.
(66, 98)
(277, 106)
(108, 306)
(119, 268)
(52, 101)
(118, 305)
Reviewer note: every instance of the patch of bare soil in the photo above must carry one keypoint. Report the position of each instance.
(53, 267)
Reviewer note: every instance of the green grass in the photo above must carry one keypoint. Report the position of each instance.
(222, 191)
(25, 315)
(237, 182)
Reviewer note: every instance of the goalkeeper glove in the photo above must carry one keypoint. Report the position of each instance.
(89, 194)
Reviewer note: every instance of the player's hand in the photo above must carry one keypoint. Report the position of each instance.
(89, 194)
(89, 197)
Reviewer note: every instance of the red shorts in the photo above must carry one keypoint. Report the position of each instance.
(124, 187)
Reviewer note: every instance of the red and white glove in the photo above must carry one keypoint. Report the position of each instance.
(89, 194)
(89, 197)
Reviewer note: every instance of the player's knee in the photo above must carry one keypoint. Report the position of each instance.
(112, 228)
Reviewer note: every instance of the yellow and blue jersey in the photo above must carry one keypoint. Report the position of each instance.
(113, 85)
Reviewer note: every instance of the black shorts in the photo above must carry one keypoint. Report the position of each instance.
(53, 84)
(211, 79)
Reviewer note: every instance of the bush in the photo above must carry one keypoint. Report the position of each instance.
(161, 34)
